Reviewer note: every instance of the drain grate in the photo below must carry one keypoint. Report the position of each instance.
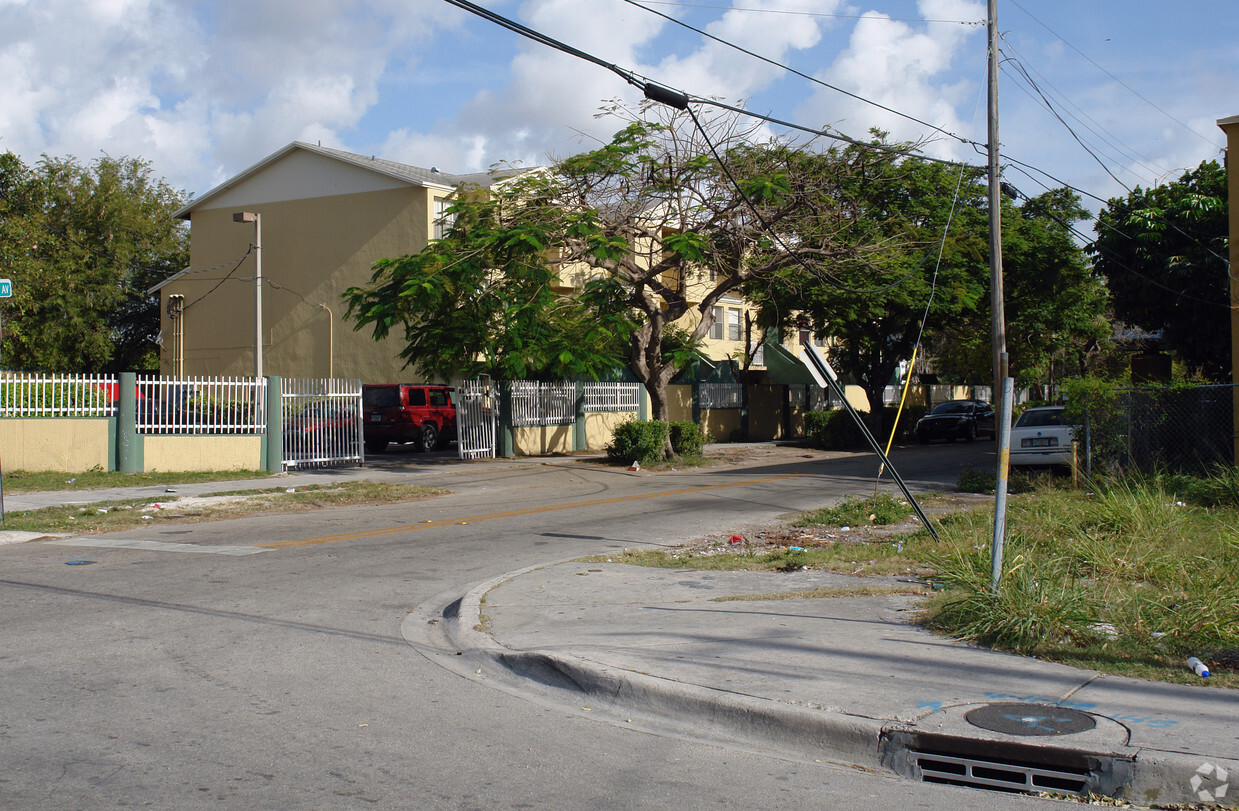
(935, 767)
(1009, 766)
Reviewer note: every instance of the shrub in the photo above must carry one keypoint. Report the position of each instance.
(687, 438)
(832, 430)
(836, 430)
(641, 442)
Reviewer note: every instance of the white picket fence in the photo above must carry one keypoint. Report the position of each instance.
(612, 397)
(536, 403)
(202, 405)
(42, 395)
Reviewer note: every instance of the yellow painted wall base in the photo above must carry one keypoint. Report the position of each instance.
(166, 453)
(536, 440)
(61, 444)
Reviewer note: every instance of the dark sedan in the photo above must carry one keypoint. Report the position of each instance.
(957, 419)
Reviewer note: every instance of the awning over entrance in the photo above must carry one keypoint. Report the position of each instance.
(782, 367)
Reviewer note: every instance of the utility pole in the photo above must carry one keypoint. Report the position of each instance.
(995, 210)
(1002, 382)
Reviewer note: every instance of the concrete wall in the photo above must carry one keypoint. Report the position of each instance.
(600, 428)
(66, 444)
(546, 439)
(167, 453)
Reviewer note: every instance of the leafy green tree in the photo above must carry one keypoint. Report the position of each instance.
(618, 253)
(1163, 252)
(1055, 305)
(82, 245)
(871, 305)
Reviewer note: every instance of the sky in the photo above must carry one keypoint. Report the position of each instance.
(203, 90)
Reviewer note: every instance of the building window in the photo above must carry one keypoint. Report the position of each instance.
(733, 325)
(443, 221)
(720, 324)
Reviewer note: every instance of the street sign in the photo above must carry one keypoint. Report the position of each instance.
(6, 288)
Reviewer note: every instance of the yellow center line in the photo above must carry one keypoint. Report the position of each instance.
(515, 513)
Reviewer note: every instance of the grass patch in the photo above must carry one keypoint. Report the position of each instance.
(21, 481)
(880, 509)
(114, 516)
(1126, 579)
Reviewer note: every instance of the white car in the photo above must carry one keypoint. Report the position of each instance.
(1040, 437)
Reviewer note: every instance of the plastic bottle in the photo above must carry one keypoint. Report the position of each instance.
(1198, 666)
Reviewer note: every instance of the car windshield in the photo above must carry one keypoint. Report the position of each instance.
(952, 408)
(1039, 417)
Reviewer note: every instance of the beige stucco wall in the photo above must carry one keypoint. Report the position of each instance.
(55, 444)
(534, 440)
(167, 453)
(679, 403)
(721, 424)
(313, 250)
(600, 428)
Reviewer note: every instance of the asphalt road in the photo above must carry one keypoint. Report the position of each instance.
(184, 676)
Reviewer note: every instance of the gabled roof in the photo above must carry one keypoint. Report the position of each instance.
(403, 172)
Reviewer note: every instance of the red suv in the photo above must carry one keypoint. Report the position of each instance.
(405, 412)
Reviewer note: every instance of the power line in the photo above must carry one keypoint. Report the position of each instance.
(1112, 76)
(802, 75)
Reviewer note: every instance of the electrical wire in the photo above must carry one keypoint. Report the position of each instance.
(797, 258)
(795, 72)
(1113, 77)
(680, 100)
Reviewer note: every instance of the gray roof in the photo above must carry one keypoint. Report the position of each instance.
(413, 175)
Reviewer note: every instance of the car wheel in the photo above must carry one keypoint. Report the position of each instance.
(376, 445)
(921, 438)
(429, 437)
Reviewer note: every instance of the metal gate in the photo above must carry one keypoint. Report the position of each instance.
(322, 423)
(475, 418)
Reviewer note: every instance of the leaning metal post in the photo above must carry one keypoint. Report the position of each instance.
(821, 369)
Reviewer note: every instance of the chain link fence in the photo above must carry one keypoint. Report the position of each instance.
(1151, 430)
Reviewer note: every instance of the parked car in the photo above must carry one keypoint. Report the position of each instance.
(403, 412)
(957, 419)
(1041, 437)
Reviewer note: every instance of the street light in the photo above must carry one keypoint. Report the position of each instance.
(247, 216)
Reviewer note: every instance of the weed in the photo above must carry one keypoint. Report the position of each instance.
(879, 509)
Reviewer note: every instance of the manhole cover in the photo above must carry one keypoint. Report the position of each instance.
(1030, 719)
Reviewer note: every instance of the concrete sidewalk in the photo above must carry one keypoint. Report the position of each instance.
(849, 679)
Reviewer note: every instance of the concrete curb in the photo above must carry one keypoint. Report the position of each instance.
(1153, 776)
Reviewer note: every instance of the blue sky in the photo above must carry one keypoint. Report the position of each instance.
(204, 90)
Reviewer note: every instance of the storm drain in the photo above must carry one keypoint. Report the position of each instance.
(1009, 766)
(1006, 775)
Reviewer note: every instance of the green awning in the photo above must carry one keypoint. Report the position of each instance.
(782, 367)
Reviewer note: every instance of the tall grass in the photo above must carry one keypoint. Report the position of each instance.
(1130, 569)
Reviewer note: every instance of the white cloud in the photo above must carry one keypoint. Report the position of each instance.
(907, 67)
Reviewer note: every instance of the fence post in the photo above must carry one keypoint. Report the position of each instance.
(580, 440)
(128, 443)
(697, 404)
(505, 442)
(273, 440)
(643, 403)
